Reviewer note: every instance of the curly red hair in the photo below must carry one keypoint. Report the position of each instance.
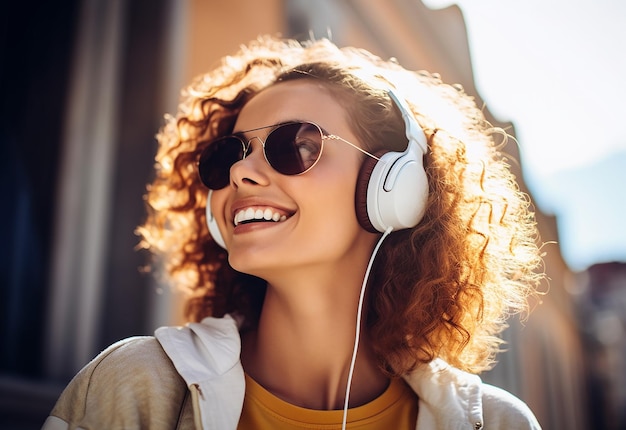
(442, 289)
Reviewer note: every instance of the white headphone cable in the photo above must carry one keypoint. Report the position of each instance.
(358, 326)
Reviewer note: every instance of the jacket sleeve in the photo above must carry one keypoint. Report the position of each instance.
(131, 385)
(502, 410)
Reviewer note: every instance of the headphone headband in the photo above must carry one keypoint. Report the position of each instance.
(414, 131)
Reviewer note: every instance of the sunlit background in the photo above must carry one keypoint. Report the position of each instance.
(557, 69)
(85, 85)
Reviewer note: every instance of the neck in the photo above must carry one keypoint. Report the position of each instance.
(302, 348)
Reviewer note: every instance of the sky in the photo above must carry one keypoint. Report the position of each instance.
(557, 70)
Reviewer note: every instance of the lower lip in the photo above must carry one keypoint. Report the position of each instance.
(254, 226)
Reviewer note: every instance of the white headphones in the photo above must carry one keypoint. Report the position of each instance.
(212, 223)
(391, 192)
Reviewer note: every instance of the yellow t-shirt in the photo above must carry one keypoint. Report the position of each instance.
(396, 408)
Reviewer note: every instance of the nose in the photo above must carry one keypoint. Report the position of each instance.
(253, 168)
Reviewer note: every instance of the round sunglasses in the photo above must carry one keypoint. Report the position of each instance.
(291, 148)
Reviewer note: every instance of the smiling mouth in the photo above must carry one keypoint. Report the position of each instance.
(250, 215)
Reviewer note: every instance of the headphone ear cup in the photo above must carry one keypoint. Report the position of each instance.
(394, 191)
(214, 229)
(361, 194)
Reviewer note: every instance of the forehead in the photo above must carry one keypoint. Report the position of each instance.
(293, 101)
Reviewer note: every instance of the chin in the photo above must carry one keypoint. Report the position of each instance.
(250, 263)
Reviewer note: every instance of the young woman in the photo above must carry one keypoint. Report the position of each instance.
(351, 241)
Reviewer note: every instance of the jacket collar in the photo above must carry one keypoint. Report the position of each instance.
(207, 356)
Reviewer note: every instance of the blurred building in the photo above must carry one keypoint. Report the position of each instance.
(85, 86)
(601, 305)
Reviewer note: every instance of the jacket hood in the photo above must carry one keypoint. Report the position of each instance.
(206, 355)
(449, 398)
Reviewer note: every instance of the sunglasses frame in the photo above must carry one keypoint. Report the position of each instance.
(246, 145)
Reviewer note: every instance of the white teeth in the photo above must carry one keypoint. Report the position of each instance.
(258, 214)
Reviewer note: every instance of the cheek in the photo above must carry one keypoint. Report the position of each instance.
(331, 202)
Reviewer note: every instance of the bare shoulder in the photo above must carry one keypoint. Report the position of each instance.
(503, 410)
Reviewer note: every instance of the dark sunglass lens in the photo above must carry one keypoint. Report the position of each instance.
(216, 161)
(293, 148)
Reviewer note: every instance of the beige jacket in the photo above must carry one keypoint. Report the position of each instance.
(191, 378)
